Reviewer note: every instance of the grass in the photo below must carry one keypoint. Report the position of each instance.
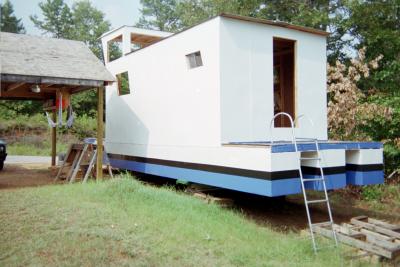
(123, 222)
(33, 150)
(384, 197)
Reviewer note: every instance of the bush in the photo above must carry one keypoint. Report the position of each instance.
(84, 126)
(372, 192)
(386, 130)
(22, 124)
(355, 115)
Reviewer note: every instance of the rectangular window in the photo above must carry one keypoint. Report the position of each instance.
(284, 79)
(123, 83)
(194, 60)
(114, 47)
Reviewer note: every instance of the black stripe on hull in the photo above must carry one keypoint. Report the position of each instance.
(271, 176)
(364, 168)
(327, 170)
(278, 175)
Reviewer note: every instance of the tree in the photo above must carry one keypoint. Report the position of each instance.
(172, 15)
(159, 15)
(57, 19)
(88, 24)
(8, 21)
(192, 12)
(376, 25)
(347, 108)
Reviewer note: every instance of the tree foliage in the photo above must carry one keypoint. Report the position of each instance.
(57, 19)
(164, 14)
(376, 25)
(346, 112)
(88, 24)
(8, 21)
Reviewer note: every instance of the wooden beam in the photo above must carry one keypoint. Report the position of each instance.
(100, 101)
(14, 86)
(66, 81)
(43, 86)
(27, 94)
(20, 78)
(50, 80)
(53, 140)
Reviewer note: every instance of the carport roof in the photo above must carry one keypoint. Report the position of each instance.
(51, 63)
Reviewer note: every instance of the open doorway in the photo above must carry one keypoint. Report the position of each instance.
(284, 80)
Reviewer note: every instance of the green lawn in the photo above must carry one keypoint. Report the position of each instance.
(123, 222)
(34, 150)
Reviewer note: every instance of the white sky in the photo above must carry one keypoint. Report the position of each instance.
(118, 12)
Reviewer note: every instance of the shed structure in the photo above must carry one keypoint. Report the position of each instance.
(198, 105)
(49, 65)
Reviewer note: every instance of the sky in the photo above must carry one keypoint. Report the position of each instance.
(118, 12)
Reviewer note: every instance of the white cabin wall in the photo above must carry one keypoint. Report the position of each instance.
(169, 104)
(247, 81)
(244, 97)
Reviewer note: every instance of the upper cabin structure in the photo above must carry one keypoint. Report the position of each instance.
(200, 102)
(238, 73)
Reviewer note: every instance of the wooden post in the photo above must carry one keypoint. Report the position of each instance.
(53, 140)
(100, 101)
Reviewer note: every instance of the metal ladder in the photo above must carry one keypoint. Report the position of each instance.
(319, 160)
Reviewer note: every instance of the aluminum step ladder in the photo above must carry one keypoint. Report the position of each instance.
(319, 160)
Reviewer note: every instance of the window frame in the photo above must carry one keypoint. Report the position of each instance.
(194, 60)
(119, 83)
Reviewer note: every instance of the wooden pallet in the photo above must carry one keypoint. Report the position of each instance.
(370, 235)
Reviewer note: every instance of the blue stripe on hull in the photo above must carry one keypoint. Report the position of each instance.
(332, 181)
(273, 188)
(364, 178)
(281, 147)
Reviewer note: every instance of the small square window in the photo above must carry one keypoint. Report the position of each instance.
(123, 83)
(194, 60)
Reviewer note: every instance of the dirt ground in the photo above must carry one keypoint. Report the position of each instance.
(282, 214)
(25, 175)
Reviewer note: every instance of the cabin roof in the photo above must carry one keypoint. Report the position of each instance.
(276, 23)
(49, 57)
(28, 61)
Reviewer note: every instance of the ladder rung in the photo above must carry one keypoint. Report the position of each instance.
(310, 158)
(316, 201)
(313, 179)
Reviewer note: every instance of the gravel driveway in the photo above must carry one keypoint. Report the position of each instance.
(27, 159)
